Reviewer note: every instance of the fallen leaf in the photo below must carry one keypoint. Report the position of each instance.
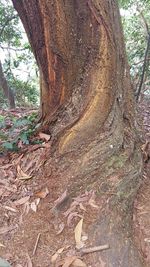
(92, 204)
(35, 204)
(55, 256)
(21, 201)
(59, 200)
(22, 175)
(84, 238)
(61, 228)
(71, 216)
(1, 245)
(43, 193)
(26, 208)
(79, 263)
(44, 136)
(29, 262)
(82, 207)
(78, 233)
(92, 201)
(70, 210)
(16, 161)
(68, 261)
(10, 209)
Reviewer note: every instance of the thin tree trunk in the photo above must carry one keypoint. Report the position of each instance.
(7, 91)
(88, 107)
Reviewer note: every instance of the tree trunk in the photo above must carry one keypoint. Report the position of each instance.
(7, 91)
(88, 108)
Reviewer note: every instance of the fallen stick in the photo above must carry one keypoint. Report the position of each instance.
(36, 244)
(93, 249)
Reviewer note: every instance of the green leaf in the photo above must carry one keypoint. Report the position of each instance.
(9, 146)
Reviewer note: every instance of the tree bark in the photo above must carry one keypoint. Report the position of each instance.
(88, 108)
(7, 91)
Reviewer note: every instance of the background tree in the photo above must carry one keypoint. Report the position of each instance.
(136, 24)
(18, 66)
(6, 89)
(87, 106)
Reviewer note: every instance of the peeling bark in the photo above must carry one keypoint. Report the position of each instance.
(88, 107)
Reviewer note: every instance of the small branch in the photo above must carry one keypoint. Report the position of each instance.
(144, 20)
(144, 69)
(94, 249)
(6, 23)
(14, 49)
(36, 244)
(141, 61)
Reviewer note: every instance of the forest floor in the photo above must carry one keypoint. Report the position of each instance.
(32, 232)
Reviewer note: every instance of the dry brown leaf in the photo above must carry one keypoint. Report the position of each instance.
(55, 256)
(71, 216)
(59, 200)
(44, 136)
(10, 209)
(79, 263)
(43, 193)
(29, 262)
(92, 200)
(35, 204)
(78, 233)
(22, 175)
(1, 245)
(26, 208)
(21, 201)
(82, 207)
(70, 210)
(16, 161)
(84, 238)
(93, 204)
(69, 260)
(61, 228)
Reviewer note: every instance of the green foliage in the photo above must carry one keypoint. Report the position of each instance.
(136, 24)
(15, 131)
(26, 93)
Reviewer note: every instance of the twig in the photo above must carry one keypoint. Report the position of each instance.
(94, 249)
(6, 24)
(36, 244)
(144, 20)
(144, 68)
(146, 56)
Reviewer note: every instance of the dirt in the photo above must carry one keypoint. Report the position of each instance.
(20, 226)
(141, 218)
(37, 219)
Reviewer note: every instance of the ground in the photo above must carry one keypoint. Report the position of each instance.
(38, 227)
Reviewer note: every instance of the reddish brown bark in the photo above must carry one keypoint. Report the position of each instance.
(88, 107)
